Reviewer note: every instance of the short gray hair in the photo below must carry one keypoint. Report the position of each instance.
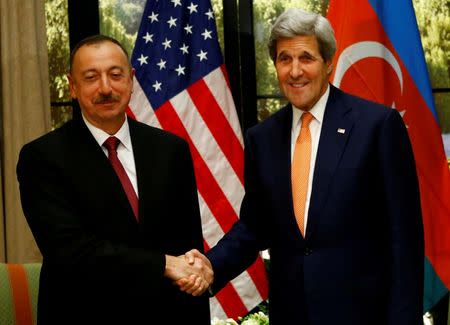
(297, 22)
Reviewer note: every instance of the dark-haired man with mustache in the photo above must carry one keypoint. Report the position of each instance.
(112, 204)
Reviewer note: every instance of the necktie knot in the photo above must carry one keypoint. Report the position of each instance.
(111, 144)
(306, 119)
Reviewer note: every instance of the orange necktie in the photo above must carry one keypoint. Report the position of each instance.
(300, 170)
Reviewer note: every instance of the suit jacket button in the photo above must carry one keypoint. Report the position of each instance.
(307, 251)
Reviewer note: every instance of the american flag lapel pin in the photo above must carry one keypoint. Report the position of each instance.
(341, 131)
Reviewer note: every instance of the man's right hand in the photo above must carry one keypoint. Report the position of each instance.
(190, 272)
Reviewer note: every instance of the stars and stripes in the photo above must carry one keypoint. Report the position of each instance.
(181, 86)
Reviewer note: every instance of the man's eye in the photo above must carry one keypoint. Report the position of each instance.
(306, 58)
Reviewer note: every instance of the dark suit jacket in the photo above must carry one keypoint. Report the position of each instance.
(99, 265)
(361, 262)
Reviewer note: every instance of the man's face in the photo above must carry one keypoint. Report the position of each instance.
(302, 73)
(102, 80)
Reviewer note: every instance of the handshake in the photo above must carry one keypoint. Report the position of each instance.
(191, 272)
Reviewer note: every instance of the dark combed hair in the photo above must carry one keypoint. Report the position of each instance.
(96, 39)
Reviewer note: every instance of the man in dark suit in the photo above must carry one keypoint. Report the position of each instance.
(332, 191)
(111, 244)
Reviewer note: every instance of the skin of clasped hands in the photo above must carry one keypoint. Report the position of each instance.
(191, 272)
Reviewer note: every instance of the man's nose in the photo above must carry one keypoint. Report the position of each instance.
(105, 85)
(296, 69)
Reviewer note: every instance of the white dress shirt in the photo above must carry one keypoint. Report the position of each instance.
(315, 128)
(124, 149)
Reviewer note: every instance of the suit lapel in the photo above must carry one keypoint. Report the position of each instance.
(280, 167)
(284, 164)
(336, 129)
(145, 154)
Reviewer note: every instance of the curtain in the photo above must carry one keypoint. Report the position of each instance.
(25, 113)
(2, 228)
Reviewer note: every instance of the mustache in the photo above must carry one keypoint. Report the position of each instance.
(106, 99)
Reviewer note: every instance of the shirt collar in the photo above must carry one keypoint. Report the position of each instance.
(317, 111)
(123, 134)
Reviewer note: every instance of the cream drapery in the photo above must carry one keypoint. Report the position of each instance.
(25, 113)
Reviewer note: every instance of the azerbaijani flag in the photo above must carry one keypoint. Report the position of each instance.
(380, 57)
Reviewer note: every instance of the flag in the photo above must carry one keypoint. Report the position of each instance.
(380, 57)
(181, 86)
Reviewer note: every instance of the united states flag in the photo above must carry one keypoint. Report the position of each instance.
(181, 86)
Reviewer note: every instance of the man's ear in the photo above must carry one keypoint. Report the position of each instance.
(71, 86)
(329, 67)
